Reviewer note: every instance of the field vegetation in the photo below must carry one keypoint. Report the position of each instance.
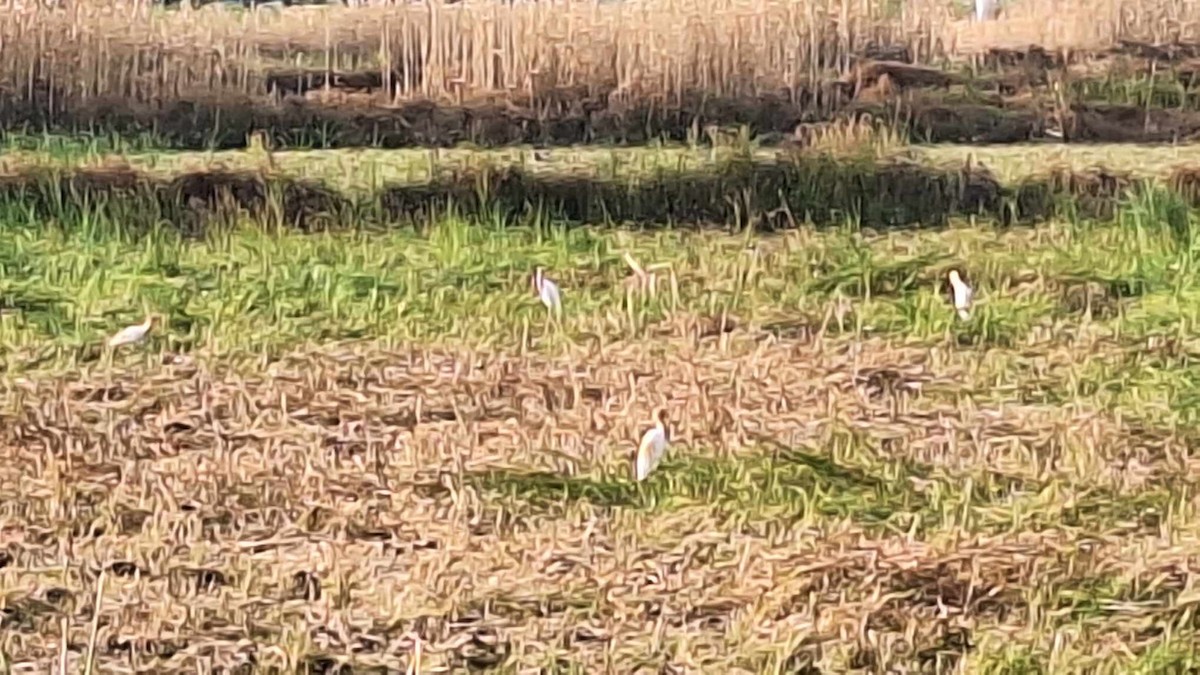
(355, 442)
(573, 72)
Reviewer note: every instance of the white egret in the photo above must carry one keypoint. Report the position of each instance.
(984, 9)
(547, 291)
(653, 446)
(963, 295)
(132, 334)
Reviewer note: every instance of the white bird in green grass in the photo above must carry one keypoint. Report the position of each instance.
(132, 334)
(653, 446)
(963, 295)
(547, 291)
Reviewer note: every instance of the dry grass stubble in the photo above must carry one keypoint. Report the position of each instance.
(828, 504)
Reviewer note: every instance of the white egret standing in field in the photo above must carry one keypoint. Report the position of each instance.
(132, 334)
(962, 295)
(653, 446)
(547, 292)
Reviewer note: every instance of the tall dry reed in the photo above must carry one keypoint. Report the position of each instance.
(644, 50)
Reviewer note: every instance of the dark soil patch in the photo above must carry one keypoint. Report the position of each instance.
(935, 122)
(301, 80)
(1033, 56)
(561, 117)
(901, 75)
(575, 115)
(1129, 124)
(1167, 51)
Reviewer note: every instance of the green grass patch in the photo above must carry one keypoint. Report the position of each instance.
(792, 485)
(67, 283)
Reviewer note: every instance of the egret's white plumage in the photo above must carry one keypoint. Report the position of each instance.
(963, 295)
(984, 9)
(547, 291)
(653, 446)
(131, 334)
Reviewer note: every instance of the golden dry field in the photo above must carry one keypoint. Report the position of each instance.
(355, 441)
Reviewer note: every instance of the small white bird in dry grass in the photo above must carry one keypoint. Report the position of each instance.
(962, 295)
(547, 291)
(985, 9)
(653, 446)
(132, 334)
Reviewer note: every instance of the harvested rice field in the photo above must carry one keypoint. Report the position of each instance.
(371, 450)
(351, 438)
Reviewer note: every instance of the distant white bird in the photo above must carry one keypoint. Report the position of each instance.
(963, 295)
(547, 291)
(653, 446)
(132, 334)
(984, 9)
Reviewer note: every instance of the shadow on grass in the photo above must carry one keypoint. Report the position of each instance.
(1103, 509)
(742, 191)
(543, 489)
(790, 482)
